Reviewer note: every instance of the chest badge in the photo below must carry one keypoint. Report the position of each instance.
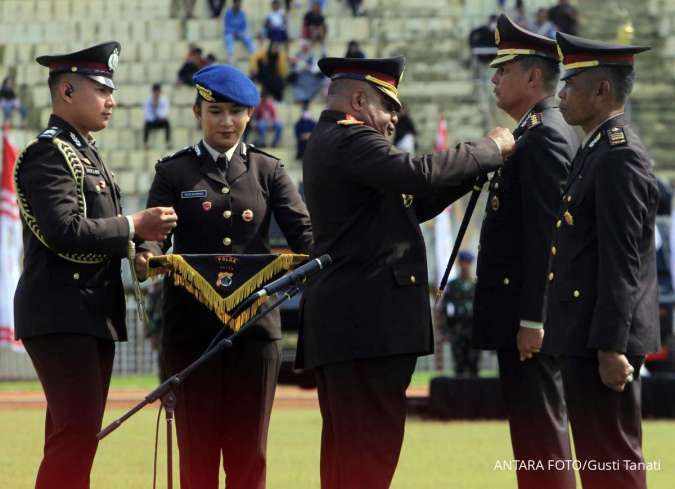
(494, 203)
(569, 219)
(247, 215)
(407, 199)
(206, 205)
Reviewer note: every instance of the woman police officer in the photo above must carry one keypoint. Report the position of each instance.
(224, 193)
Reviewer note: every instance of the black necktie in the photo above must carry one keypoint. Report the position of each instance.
(222, 163)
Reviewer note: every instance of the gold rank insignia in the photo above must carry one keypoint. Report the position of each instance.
(494, 203)
(498, 38)
(350, 120)
(616, 136)
(407, 199)
(569, 219)
(533, 120)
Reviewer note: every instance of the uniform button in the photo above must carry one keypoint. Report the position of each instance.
(568, 198)
(550, 276)
(554, 250)
(507, 281)
(119, 215)
(76, 276)
(558, 224)
(496, 185)
(412, 279)
(227, 241)
(577, 294)
(227, 214)
(225, 190)
(98, 188)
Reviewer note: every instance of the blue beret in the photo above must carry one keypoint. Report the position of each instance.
(223, 83)
(466, 255)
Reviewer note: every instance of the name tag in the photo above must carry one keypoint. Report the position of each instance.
(192, 194)
(90, 170)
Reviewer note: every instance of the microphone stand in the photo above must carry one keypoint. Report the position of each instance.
(165, 390)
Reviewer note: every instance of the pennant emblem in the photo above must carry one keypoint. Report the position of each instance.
(206, 205)
(494, 203)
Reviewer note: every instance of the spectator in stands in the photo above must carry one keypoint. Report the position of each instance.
(193, 63)
(519, 16)
(404, 137)
(210, 59)
(188, 7)
(157, 115)
(303, 130)
(236, 30)
(354, 50)
(565, 17)
(265, 118)
(216, 7)
(276, 24)
(9, 101)
(305, 75)
(355, 5)
(314, 24)
(269, 67)
(543, 26)
(482, 41)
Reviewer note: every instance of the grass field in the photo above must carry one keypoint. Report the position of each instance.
(438, 455)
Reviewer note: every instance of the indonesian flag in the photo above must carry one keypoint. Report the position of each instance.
(441, 143)
(10, 244)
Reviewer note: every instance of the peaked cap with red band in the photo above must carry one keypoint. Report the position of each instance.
(384, 73)
(579, 54)
(97, 62)
(513, 41)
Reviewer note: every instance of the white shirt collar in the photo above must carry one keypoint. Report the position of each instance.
(215, 154)
(590, 134)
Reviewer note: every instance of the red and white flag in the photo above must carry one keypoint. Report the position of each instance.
(10, 244)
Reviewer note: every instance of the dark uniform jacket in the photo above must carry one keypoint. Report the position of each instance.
(602, 290)
(74, 238)
(373, 300)
(522, 205)
(214, 216)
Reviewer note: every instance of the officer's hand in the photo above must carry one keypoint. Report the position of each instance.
(154, 224)
(504, 140)
(615, 370)
(529, 342)
(141, 264)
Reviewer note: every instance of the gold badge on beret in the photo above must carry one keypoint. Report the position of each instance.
(247, 215)
(205, 93)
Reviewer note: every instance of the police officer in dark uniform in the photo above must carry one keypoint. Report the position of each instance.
(602, 309)
(225, 193)
(515, 241)
(367, 317)
(69, 303)
(456, 306)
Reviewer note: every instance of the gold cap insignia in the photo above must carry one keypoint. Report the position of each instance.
(497, 37)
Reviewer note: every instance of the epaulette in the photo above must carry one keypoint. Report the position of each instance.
(350, 120)
(195, 149)
(255, 149)
(534, 119)
(50, 132)
(616, 136)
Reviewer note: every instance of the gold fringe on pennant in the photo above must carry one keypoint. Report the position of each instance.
(191, 280)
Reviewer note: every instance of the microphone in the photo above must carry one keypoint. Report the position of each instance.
(296, 277)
